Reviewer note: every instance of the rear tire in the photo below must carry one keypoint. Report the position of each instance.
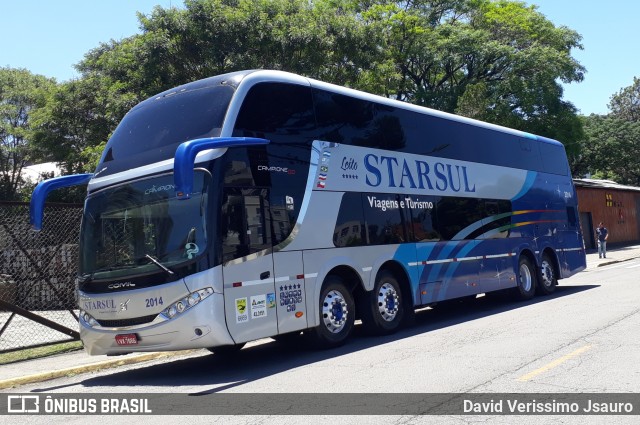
(526, 278)
(382, 309)
(548, 279)
(337, 315)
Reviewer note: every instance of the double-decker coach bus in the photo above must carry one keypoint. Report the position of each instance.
(263, 204)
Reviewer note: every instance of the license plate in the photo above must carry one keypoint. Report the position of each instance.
(127, 339)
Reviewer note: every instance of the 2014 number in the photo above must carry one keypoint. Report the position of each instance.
(152, 302)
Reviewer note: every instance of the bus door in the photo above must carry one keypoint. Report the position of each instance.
(249, 282)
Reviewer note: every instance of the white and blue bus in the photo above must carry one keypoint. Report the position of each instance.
(263, 204)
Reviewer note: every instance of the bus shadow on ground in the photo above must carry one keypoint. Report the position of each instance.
(220, 373)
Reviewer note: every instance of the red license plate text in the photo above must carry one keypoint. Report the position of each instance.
(127, 339)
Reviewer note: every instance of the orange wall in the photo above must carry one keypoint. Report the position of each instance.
(615, 208)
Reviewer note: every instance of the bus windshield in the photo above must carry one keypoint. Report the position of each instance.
(153, 130)
(140, 227)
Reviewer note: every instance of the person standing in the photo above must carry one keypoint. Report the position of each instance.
(603, 234)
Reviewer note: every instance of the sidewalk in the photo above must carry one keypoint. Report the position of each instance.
(13, 375)
(38, 370)
(615, 254)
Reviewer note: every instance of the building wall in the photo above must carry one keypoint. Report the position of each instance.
(617, 209)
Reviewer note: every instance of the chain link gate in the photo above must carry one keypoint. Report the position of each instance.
(38, 303)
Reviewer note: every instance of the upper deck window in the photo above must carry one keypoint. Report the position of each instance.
(153, 130)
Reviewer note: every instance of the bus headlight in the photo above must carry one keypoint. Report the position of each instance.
(88, 319)
(186, 303)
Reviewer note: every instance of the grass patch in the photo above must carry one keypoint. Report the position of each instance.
(38, 352)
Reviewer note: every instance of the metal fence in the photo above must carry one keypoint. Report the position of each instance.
(37, 276)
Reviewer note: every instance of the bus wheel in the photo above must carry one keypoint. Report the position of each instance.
(382, 308)
(548, 279)
(337, 314)
(226, 351)
(526, 280)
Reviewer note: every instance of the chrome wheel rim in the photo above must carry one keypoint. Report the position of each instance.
(526, 281)
(547, 274)
(388, 302)
(334, 311)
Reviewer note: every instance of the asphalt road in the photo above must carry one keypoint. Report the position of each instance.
(583, 339)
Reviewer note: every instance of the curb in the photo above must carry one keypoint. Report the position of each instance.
(94, 367)
(608, 263)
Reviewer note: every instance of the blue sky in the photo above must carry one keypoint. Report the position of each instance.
(49, 37)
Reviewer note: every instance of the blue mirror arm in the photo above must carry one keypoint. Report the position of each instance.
(39, 196)
(186, 156)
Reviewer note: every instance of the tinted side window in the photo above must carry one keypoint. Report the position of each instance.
(469, 218)
(497, 221)
(282, 113)
(384, 219)
(456, 214)
(245, 222)
(572, 217)
(344, 119)
(350, 228)
(423, 217)
(554, 159)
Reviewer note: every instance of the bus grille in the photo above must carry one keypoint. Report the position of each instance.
(127, 322)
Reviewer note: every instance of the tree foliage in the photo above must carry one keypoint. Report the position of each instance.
(21, 94)
(495, 60)
(626, 103)
(611, 149)
(498, 61)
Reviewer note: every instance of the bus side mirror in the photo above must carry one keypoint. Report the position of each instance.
(186, 156)
(39, 195)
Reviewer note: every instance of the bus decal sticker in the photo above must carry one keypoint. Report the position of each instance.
(191, 250)
(258, 306)
(271, 300)
(406, 173)
(242, 316)
(323, 171)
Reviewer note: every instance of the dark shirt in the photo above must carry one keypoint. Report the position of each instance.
(602, 233)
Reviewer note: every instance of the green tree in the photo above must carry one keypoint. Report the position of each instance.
(211, 37)
(21, 94)
(498, 61)
(626, 103)
(78, 116)
(610, 150)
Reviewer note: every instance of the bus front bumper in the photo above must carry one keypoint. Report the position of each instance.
(202, 326)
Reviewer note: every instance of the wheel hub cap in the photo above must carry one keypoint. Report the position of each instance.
(334, 311)
(388, 302)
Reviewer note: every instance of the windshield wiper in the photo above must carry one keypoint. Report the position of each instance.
(159, 264)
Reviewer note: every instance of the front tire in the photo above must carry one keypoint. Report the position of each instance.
(526, 280)
(337, 315)
(382, 309)
(548, 279)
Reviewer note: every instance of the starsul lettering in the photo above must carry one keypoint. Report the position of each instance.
(416, 174)
(99, 305)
